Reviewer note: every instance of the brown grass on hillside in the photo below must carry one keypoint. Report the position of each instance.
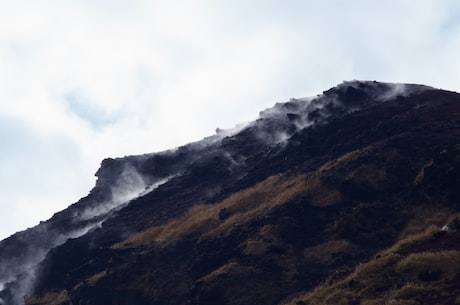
(361, 166)
(320, 194)
(427, 221)
(324, 253)
(369, 174)
(266, 237)
(364, 283)
(202, 219)
(397, 278)
(425, 216)
(49, 298)
(412, 240)
(232, 267)
(345, 158)
(419, 278)
(96, 277)
(445, 264)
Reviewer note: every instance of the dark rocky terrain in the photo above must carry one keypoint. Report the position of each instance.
(337, 199)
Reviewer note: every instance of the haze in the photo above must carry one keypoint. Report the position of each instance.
(84, 80)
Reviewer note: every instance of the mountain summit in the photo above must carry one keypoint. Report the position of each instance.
(343, 198)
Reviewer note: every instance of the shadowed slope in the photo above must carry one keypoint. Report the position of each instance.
(298, 207)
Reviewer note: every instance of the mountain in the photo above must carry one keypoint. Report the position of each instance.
(350, 197)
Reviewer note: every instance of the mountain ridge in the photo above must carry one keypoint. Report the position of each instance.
(301, 150)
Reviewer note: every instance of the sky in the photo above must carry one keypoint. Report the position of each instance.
(84, 80)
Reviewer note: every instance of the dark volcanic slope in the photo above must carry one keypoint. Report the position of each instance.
(337, 199)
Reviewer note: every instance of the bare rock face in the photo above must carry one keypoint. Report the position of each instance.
(320, 200)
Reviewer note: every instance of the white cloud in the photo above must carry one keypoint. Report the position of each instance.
(84, 80)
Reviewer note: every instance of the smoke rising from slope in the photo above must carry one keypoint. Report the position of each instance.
(18, 272)
(348, 97)
(121, 182)
(129, 185)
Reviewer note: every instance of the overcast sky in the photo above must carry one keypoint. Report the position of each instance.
(83, 80)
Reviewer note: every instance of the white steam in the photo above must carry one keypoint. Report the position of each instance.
(305, 112)
(128, 186)
(274, 126)
(19, 273)
(403, 90)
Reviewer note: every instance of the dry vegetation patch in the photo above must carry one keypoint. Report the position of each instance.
(426, 216)
(233, 268)
(365, 283)
(345, 158)
(413, 240)
(202, 219)
(425, 224)
(49, 298)
(418, 278)
(325, 253)
(430, 266)
(320, 193)
(96, 277)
